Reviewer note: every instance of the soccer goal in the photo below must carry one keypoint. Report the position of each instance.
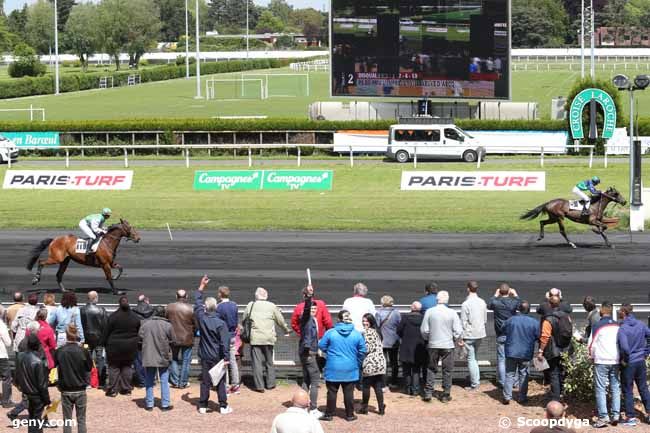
(283, 85)
(235, 88)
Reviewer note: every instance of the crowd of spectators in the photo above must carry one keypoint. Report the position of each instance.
(151, 346)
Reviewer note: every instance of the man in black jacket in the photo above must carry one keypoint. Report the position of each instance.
(144, 311)
(31, 380)
(93, 320)
(73, 364)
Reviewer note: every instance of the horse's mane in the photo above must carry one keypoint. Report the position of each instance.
(115, 227)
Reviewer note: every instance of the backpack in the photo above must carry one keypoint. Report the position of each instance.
(562, 329)
(247, 326)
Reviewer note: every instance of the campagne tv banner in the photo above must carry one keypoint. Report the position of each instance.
(473, 181)
(293, 180)
(71, 180)
(33, 139)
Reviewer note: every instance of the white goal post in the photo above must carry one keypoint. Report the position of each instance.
(269, 87)
(238, 87)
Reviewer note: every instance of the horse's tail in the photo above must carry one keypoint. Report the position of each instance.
(36, 252)
(534, 213)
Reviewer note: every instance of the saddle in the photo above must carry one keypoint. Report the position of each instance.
(82, 245)
(575, 205)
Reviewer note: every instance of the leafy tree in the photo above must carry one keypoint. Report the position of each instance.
(269, 23)
(309, 21)
(17, 22)
(143, 27)
(538, 23)
(172, 19)
(81, 34)
(113, 26)
(229, 16)
(25, 62)
(280, 9)
(615, 14)
(64, 7)
(7, 39)
(39, 28)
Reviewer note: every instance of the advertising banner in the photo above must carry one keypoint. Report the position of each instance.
(33, 139)
(473, 181)
(70, 180)
(227, 180)
(309, 180)
(256, 180)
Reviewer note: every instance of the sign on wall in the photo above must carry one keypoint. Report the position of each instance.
(580, 102)
(473, 181)
(33, 139)
(255, 180)
(70, 180)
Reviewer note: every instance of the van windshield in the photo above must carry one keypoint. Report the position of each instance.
(464, 133)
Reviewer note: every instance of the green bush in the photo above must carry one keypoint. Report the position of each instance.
(26, 62)
(579, 379)
(180, 60)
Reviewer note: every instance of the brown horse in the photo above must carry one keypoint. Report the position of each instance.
(63, 249)
(558, 209)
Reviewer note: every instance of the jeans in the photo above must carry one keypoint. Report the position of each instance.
(5, 376)
(139, 369)
(97, 354)
(411, 374)
(310, 378)
(391, 354)
(184, 355)
(149, 380)
(233, 368)
(206, 385)
(472, 346)
(501, 359)
(556, 376)
(35, 407)
(631, 374)
(262, 362)
(516, 372)
(348, 397)
(446, 357)
(376, 383)
(78, 401)
(604, 375)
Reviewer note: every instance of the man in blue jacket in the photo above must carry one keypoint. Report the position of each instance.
(504, 304)
(345, 349)
(633, 348)
(522, 332)
(429, 300)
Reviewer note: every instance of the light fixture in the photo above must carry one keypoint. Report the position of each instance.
(621, 82)
(641, 82)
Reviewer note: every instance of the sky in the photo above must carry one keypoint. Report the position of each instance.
(316, 4)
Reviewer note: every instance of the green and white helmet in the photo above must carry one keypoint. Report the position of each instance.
(595, 180)
(106, 211)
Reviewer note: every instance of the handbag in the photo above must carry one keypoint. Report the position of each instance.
(247, 326)
(94, 377)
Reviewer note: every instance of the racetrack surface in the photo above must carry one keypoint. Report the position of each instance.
(398, 264)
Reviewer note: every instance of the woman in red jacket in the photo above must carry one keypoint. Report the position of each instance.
(46, 336)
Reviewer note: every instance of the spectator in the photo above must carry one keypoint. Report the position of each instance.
(522, 333)
(388, 318)
(214, 346)
(93, 321)
(121, 343)
(308, 351)
(144, 311)
(632, 343)
(32, 381)
(544, 308)
(49, 300)
(323, 319)
(181, 316)
(66, 313)
(593, 315)
(473, 316)
(5, 367)
(504, 304)
(24, 316)
(344, 348)
(73, 364)
(555, 339)
(554, 411)
(46, 337)
(157, 336)
(358, 305)
(413, 349)
(265, 315)
(441, 328)
(374, 365)
(227, 311)
(296, 419)
(32, 329)
(431, 298)
(603, 351)
(13, 309)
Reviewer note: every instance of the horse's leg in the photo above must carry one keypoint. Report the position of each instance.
(119, 268)
(109, 277)
(541, 227)
(563, 232)
(41, 264)
(600, 229)
(59, 275)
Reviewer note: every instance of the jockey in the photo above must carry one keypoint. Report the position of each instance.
(92, 226)
(580, 190)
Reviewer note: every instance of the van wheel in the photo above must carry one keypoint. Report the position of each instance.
(470, 156)
(402, 156)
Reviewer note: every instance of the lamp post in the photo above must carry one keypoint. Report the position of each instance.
(247, 27)
(56, 49)
(187, 41)
(582, 40)
(636, 206)
(593, 36)
(198, 58)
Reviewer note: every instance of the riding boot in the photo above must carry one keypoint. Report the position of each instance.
(585, 210)
(89, 247)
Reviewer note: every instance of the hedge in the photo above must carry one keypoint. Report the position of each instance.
(29, 86)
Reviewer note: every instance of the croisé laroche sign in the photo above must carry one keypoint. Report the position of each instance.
(74, 180)
(473, 181)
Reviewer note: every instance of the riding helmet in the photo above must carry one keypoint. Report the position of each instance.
(595, 180)
(106, 211)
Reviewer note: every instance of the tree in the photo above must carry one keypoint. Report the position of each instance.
(269, 23)
(17, 22)
(25, 62)
(229, 16)
(309, 21)
(172, 19)
(539, 23)
(143, 28)
(64, 7)
(81, 35)
(39, 29)
(280, 9)
(112, 27)
(614, 14)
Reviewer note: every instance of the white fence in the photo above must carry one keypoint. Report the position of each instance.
(31, 111)
(313, 65)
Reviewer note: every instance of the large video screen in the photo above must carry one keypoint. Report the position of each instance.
(421, 48)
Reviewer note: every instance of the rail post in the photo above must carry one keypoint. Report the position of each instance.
(250, 157)
(298, 156)
(187, 158)
(67, 158)
(126, 158)
(351, 158)
(605, 159)
(415, 157)
(591, 156)
(82, 145)
(541, 157)
(478, 160)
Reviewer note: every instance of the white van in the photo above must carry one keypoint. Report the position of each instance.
(7, 150)
(432, 140)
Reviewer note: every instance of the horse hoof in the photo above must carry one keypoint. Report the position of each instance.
(119, 292)
(35, 281)
(540, 238)
(573, 245)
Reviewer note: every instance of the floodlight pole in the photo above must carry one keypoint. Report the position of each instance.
(198, 54)
(582, 40)
(631, 91)
(187, 41)
(247, 31)
(593, 40)
(56, 49)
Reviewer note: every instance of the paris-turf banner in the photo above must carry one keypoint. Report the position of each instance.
(68, 179)
(474, 180)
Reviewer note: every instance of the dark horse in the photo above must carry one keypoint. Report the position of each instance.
(558, 209)
(63, 249)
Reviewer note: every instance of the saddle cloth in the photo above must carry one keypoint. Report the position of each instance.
(575, 205)
(82, 244)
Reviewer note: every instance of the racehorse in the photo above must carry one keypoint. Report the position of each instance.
(63, 249)
(558, 209)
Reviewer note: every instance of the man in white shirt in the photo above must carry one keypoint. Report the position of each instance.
(358, 305)
(297, 419)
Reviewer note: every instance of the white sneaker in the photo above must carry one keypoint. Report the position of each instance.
(225, 410)
(316, 413)
(203, 410)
